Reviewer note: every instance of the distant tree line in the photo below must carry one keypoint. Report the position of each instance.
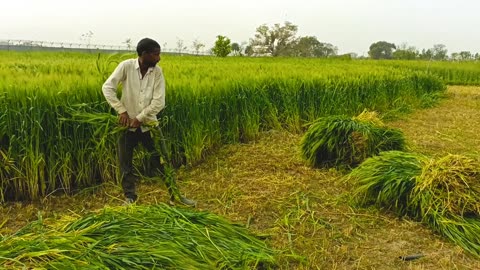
(282, 40)
(439, 52)
(277, 40)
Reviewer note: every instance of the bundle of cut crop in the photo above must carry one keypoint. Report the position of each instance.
(136, 237)
(345, 141)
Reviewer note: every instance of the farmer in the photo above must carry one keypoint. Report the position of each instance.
(143, 97)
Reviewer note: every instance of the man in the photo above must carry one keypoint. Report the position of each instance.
(143, 97)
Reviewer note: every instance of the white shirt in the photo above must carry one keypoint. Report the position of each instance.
(142, 98)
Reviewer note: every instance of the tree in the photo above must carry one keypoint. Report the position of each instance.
(426, 54)
(275, 41)
(249, 50)
(455, 56)
(222, 46)
(180, 46)
(309, 46)
(239, 49)
(466, 55)
(326, 50)
(197, 46)
(128, 43)
(381, 50)
(405, 52)
(236, 49)
(439, 52)
(462, 56)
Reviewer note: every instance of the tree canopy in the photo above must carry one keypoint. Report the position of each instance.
(381, 50)
(222, 46)
(309, 46)
(275, 41)
(281, 40)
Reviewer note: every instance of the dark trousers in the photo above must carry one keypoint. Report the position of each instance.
(126, 146)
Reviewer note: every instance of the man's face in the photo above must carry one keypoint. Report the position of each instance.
(151, 58)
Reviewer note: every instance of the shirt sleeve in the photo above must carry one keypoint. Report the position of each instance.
(109, 88)
(158, 99)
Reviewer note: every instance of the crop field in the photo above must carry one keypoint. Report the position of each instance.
(233, 128)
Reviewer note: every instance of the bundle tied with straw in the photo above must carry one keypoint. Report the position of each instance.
(446, 197)
(442, 193)
(449, 185)
(387, 180)
(346, 141)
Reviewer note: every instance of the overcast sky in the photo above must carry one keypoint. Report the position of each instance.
(351, 25)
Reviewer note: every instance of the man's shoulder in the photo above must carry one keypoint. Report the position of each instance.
(158, 70)
(128, 62)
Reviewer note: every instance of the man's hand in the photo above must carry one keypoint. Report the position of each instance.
(123, 119)
(135, 123)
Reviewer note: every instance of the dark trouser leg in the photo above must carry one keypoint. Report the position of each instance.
(155, 164)
(126, 145)
(148, 143)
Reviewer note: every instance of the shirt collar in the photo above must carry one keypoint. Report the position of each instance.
(137, 66)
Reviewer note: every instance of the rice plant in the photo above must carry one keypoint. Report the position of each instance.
(137, 237)
(209, 102)
(345, 141)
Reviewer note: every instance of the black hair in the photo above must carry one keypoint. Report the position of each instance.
(147, 45)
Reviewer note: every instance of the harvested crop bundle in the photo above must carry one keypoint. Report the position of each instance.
(449, 185)
(344, 141)
(442, 193)
(387, 180)
(138, 237)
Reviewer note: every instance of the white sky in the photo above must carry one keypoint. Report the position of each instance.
(351, 25)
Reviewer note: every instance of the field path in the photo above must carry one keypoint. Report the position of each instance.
(266, 184)
(453, 126)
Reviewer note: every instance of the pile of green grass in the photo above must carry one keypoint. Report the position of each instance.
(137, 237)
(387, 180)
(442, 193)
(345, 141)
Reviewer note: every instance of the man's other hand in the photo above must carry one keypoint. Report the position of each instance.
(135, 123)
(123, 119)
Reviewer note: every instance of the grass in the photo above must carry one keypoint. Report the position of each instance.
(210, 102)
(266, 185)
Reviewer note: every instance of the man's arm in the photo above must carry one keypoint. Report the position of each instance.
(109, 89)
(158, 99)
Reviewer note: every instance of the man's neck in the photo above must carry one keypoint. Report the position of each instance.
(143, 68)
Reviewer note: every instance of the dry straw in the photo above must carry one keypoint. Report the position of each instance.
(449, 185)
